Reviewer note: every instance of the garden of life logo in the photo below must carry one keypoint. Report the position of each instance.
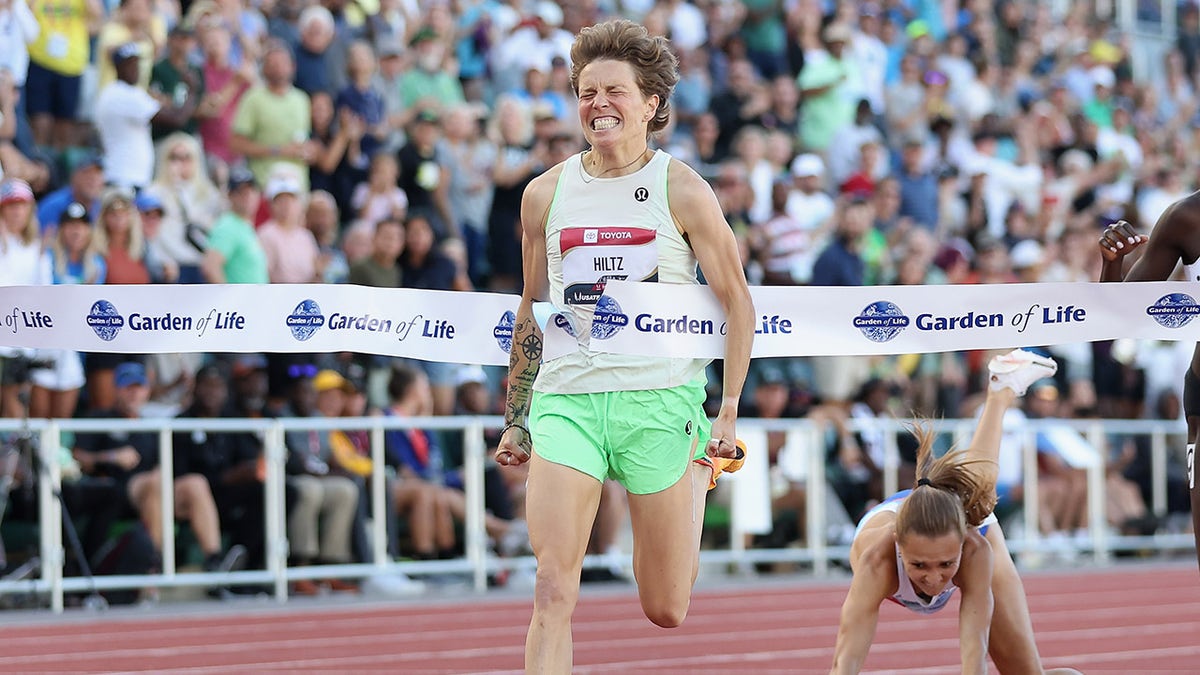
(1174, 310)
(305, 320)
(608, 318)
(503, 332)
(881, 321)
(105, 320)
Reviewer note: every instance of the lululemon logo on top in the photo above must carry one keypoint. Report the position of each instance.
(881, 321)
(305, 320)
(641, 194)
(105, 320)
(1174, 310)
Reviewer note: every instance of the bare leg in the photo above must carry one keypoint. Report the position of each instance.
(418, 500)
(63, 404)
(562, 505)
(985, 444)
(146, 495)
(1011, 644)
(194, 503)
(666, 545)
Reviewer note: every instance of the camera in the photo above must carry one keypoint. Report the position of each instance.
(17, 369)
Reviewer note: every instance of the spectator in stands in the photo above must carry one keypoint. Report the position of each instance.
(379, 197)
(807, 202)
(470, 158)
(124, 114)
(175, 78)
(229, 462)
(135, 22)
(191, 203)
(224, 84)
(826, 87)
(382, 269)
(918, 186)
(418, 456)
(321, 520)
(517, 163)
(427, 86)
(57, 60)
(314, 62)
(134, 457)
(85, 186)
(321, 218)
(291, 249)
(73, 260)
(22, 263)
(424, 176)
(741, 104)
(274, 119)
(234, 254)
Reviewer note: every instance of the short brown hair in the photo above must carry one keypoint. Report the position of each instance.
(654, 64)
(951, 492)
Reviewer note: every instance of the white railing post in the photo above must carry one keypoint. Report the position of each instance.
(276, 511)
(818, 519)
(474, 532)
(379, 500)
(891, 464)
(166, 484)
(1096, 474)
(50, 520)
(1030, 502)
(1158, 473)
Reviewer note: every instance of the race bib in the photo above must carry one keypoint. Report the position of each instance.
(591, 256)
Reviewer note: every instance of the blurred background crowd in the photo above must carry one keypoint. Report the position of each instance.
(387, 143)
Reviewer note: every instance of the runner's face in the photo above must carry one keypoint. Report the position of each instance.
(931, 562)
(611, 106)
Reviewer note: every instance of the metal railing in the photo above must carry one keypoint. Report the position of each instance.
(477, 563)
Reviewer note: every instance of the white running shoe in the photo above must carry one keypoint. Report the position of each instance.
(1018, 369)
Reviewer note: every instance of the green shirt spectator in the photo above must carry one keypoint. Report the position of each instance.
(830, 87)
(233, 237)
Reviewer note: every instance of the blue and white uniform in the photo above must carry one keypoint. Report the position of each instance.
(905, 594)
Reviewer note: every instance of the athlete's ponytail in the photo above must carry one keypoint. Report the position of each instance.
(950, 493)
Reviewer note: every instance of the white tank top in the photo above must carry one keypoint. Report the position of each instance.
(599, 229)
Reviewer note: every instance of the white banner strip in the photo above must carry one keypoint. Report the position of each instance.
(634, 318)
(429, 325)
(687, 321)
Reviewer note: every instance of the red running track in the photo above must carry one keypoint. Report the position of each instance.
(1139, 619)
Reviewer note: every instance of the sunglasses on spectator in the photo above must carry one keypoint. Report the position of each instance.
(302, 370)
(179, 157)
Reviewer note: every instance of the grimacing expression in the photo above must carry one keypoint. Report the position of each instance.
(610, 102)
(931, 562)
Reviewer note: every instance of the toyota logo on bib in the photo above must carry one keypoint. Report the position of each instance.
(641, 194)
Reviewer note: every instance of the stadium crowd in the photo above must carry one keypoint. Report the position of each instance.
(388, 142)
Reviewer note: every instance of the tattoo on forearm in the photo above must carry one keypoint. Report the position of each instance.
(523, 365)
(532, 347)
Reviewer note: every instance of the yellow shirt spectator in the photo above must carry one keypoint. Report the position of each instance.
(62, 45)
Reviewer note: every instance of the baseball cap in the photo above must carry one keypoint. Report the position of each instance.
(550, 13)
(15, 190)
(148, 201)
(240, 177)
(807, 164)
(75, 211)
(837, 32)
(280, 185)
(88, 160)
(115, 195)
(129, 374)
(329, 379)
(469, 374)
(129, 50)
